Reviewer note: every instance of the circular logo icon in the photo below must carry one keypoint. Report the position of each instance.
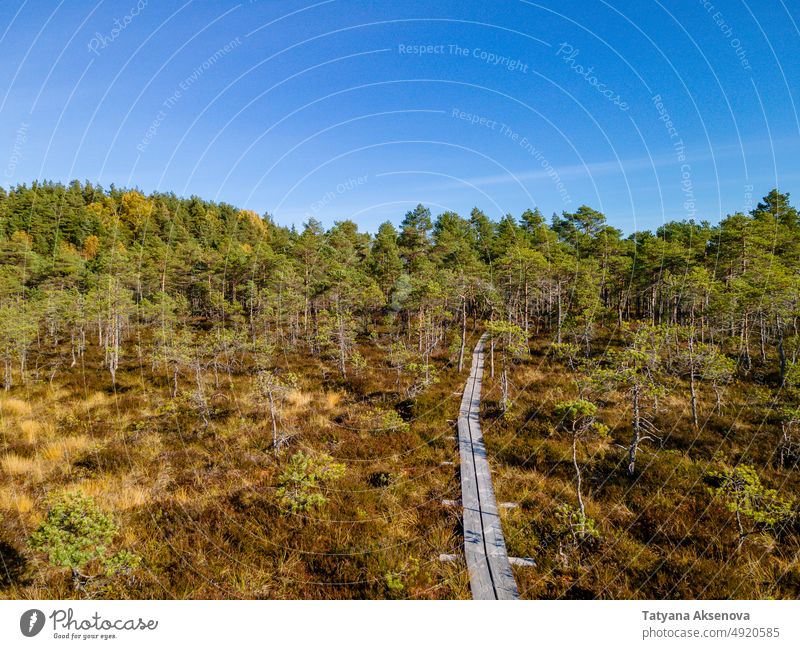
(31, 622)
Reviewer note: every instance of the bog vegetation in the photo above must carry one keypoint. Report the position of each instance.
(198, 402)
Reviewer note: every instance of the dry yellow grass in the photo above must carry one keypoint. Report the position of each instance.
(530, 375)
(14, 407)
(14, 464)
(17, 465)
(115, 493)
(54, 451)
(182, 496)
(15, 500)
(131, 496)
(57, 392)
(30, 426)
(65, 448)
(31, 430)
(332, 400)
(96, 399)
(298, 399)
(129, 537)
(320, 422)
(49, 457)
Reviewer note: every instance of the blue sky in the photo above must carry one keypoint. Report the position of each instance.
(348, 109)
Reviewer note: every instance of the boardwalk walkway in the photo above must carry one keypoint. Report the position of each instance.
(490, 575)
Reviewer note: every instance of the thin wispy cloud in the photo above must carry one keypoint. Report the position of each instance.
(592, 169)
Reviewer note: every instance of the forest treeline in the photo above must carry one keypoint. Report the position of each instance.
(84, 264)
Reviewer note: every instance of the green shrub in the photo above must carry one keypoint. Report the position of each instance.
(77, 532)
(299, 484)
(741, 490)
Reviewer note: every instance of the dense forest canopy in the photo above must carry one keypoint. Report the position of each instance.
(205, 263)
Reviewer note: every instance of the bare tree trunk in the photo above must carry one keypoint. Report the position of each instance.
(781, 351)
(742, 533)
(504, 385)
(342, 344)
(718, 395)
(692, 386)
(200, 395)
(745, 344)
(113, 359)
(558, 316)
(525, 311)
(693, 393)
(274, 421)
(23, 359)
(463, 333)
(634, 447)
(491, 358)
(175, 370)
(420, 347)
(581, 506)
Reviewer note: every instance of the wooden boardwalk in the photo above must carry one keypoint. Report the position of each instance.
(490, 575)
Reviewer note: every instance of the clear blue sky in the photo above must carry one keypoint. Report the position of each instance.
(326, 109)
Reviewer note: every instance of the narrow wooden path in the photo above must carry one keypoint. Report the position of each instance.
(490, 575)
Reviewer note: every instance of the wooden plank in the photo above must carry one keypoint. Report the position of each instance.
(490, 573)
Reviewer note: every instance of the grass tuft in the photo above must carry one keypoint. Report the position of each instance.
(14, 407)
